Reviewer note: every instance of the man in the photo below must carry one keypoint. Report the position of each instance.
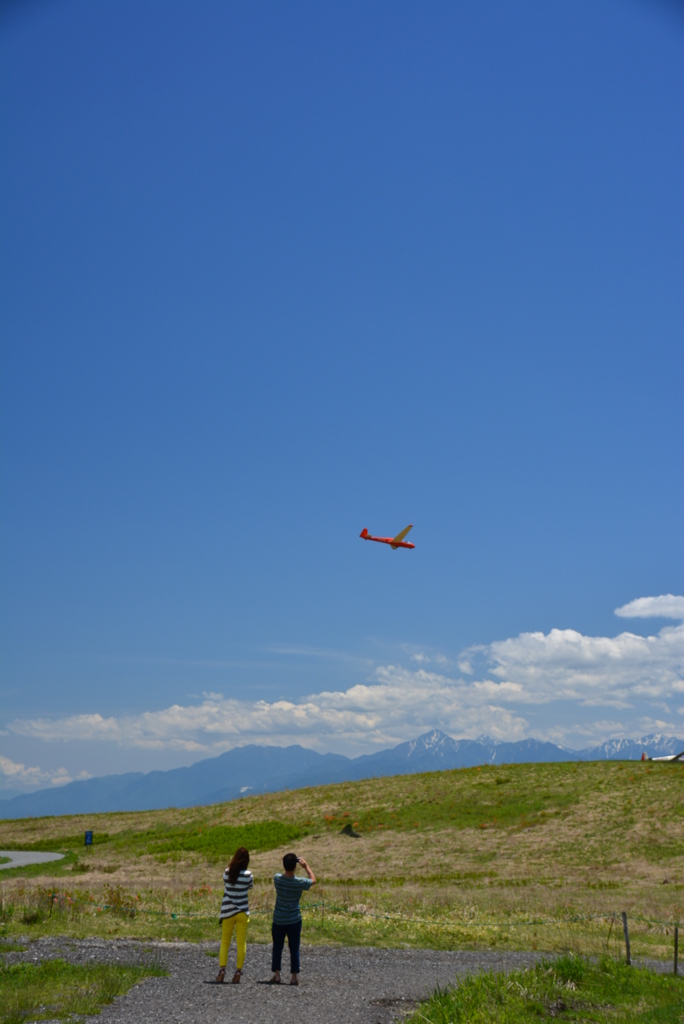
(287, 917)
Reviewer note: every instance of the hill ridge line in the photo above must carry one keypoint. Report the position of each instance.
(256, 768)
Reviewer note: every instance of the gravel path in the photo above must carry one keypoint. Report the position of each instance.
(337, 985)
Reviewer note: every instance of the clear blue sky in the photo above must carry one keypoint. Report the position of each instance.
(273, 272)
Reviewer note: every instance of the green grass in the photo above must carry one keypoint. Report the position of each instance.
(5, 860)
(489, 799)
(11, 947)
(570, 988)
(58, 844)
(55, 989)
(212, 843)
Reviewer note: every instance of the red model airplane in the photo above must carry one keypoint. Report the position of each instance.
(394, 542)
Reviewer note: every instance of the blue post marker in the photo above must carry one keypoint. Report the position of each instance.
(89, 838)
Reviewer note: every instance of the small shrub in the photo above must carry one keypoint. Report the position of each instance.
(569, 968)
(33, 915)
(119, 901)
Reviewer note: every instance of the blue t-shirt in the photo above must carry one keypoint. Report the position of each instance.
(288, 894)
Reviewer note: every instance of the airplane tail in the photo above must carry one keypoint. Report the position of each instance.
(364, 533)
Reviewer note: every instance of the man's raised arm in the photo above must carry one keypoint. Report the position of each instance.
(308, 870)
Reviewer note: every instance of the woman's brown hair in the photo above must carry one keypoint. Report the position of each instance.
(238, 863)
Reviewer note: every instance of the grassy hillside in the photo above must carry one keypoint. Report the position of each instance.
(446, 859)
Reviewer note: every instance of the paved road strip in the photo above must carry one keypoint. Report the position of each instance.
(22, 858)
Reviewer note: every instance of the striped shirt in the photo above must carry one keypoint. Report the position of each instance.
(235, 899)
(288, 894)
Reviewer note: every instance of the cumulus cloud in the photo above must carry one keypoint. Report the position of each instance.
(367, 716)
(19, 776)
(565, 665)
(634, 675)
(667, 606)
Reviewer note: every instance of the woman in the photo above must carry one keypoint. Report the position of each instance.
(237, 880)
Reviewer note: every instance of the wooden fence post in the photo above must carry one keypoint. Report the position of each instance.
(626, 931)
(676, 947)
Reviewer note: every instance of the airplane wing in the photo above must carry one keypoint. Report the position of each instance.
(668, 757)
(400, 536)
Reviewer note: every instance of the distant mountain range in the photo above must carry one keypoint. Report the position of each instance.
(254, 769)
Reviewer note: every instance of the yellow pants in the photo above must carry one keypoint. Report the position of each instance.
(239, 922)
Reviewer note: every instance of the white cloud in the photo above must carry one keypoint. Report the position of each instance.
(19, 776)
(396, 705)
(429, 659)
(667, 606)
(565, 665)
(631, 674)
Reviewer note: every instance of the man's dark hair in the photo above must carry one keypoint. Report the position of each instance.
(290, 861)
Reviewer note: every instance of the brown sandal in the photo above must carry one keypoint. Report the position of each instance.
(221, 976)
(236, 977)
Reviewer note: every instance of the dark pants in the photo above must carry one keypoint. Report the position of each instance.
(294, 936)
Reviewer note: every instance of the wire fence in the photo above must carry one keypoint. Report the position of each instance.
(580, 933)
(127, 906)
